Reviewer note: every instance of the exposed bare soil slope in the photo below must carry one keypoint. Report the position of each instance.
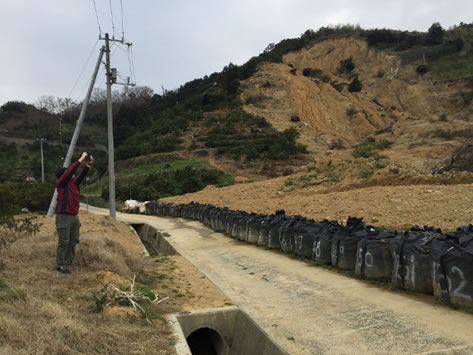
(422, 117)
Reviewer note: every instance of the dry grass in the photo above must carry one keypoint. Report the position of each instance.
(44, 312)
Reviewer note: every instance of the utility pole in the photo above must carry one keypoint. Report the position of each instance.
(60, 131)
(111, 74)
(41, 140)
(75, 136)
(111, 155)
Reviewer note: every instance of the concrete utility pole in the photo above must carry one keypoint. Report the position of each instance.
(60, 131)
(111, 155)
(41, 140)
(75, 136)
(111, 79)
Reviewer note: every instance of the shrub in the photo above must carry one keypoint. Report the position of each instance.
(443, 117)
(14, 106)
(255, 100)
(202, 153)
(295, 118)
(383, 144)
(12, 229)
(306, 71)
(315, 73)
(356, 85)
(387, 129)
(168, 183)
(365, 149)
(365, 174)
(442, 133)
(34, 197)
(351, 110)
(467, 96)
(346, 66)
(422, 69)
(7, 201)
(242, 135)
(325, 78)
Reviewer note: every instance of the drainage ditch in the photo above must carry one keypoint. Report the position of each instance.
(154, 241)
(221, 331)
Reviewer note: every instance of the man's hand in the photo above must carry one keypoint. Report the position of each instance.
(91, 160)
(83, 156)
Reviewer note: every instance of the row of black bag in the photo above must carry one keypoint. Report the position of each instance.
(421, 260)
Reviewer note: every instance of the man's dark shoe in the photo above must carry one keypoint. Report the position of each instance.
(63, 270)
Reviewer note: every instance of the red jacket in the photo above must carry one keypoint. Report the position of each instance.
(68, 191)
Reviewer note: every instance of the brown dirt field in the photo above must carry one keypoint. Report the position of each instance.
(62, 309)
(444, 206)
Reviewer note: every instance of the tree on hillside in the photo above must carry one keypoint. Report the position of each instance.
(230, 78)
(142, 92)
(355, 85)
(346, 66)
(435, 34)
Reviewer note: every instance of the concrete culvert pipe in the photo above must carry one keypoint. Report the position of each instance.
(206, 341)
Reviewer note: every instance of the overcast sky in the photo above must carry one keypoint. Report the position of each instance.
(45, 44)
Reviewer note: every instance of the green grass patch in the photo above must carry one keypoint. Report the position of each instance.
(453, 67)
(149, 168)
(10, 294)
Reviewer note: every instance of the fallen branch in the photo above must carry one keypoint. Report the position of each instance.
(111, 295)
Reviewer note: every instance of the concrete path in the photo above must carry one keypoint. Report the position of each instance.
(310, 310)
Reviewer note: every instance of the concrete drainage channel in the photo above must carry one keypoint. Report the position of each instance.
(219, 331)
(154, 241)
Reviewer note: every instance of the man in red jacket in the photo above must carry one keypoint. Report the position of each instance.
(67, 208)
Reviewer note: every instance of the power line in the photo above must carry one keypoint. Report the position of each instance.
(111, 13)
(113, 49)
(100, 73)
(129, 64)
(132, 65)
(83, 68)
(123, 27)
(129, 54)
(97, 16)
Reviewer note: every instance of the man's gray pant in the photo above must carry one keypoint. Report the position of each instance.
(67, 227)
